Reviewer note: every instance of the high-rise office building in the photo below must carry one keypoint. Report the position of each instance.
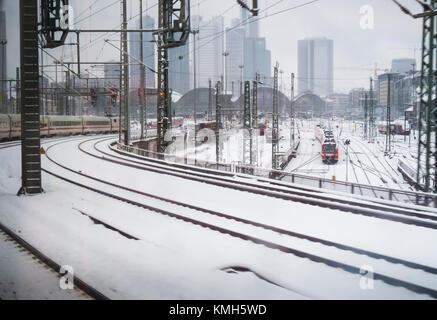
(257, 59)
(209, 50)
(235, 38)
(3, 64)
(148, 53)
(250, 23)
(112, 75)
(179, 68)
(316, 66)
(403, 66)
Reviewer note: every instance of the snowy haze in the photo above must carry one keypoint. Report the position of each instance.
(395, 35)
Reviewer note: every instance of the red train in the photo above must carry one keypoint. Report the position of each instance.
(396, 127)
(328, 143)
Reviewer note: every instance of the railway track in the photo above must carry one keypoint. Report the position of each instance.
(318, 250)
(393, 211)
(81, 289)
(6, 145)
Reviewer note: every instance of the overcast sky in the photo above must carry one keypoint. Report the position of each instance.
(395, 35)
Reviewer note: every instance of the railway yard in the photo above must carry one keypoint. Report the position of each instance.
(107, 216)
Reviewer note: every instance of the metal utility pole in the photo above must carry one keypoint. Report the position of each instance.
(225, 55)
(30, 111)
(195, 32)
(173, 31)
(347, 143)
(275, 122)
(210, 100)
(218, 122)
(366, 116)
(17, 92)
(241, 83)
(255, 121)
(142, 74)
(427, 120)
(125, 75)
(292, 137)
(372, 114)
(247, 126)
(388, 119)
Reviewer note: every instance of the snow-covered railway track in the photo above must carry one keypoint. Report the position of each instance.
(25, 251)
(11, 144)
(392, 211)
(315, 249)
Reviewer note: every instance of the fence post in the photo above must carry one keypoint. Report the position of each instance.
(390, 194)
(352, 189)
(320, 183)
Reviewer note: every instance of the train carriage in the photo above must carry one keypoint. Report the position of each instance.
(15, 126)
(328, 143)
(44, 126)
(5, 127)
(115, 124)
(62, 125)
(96, 125)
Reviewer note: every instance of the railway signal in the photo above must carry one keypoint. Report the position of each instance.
(113, 96)
(93, 96)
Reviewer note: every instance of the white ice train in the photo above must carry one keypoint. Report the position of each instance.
(10, 125)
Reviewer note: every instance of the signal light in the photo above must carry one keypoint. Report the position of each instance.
(93, 96)
(113, 96)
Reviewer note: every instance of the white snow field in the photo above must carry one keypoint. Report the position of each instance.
(174, 259)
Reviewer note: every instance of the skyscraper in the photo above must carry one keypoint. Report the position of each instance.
(316, 66)
(209, 51)
(148, 53)
(403, 66)
(3, 63)
(179, 68)
(251, 24)
(257, 59)
(112, 75)
(235, 47)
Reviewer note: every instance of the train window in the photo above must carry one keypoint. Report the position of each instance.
(4, 124)
(96, 123)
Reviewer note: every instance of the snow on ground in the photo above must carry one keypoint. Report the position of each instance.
(367, 163)
(21, 277)
(174, 259)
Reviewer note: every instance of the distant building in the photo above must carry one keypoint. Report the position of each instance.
(257, 59)
(403, 66)
(316, 66)
(148, 53)
(356, 96)
(337, 103)
(235, 47)
(405, 95)
(179, 68)
(209, 51)
(383, 87)
(251, 28)
(112, 75)
(3, 64)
